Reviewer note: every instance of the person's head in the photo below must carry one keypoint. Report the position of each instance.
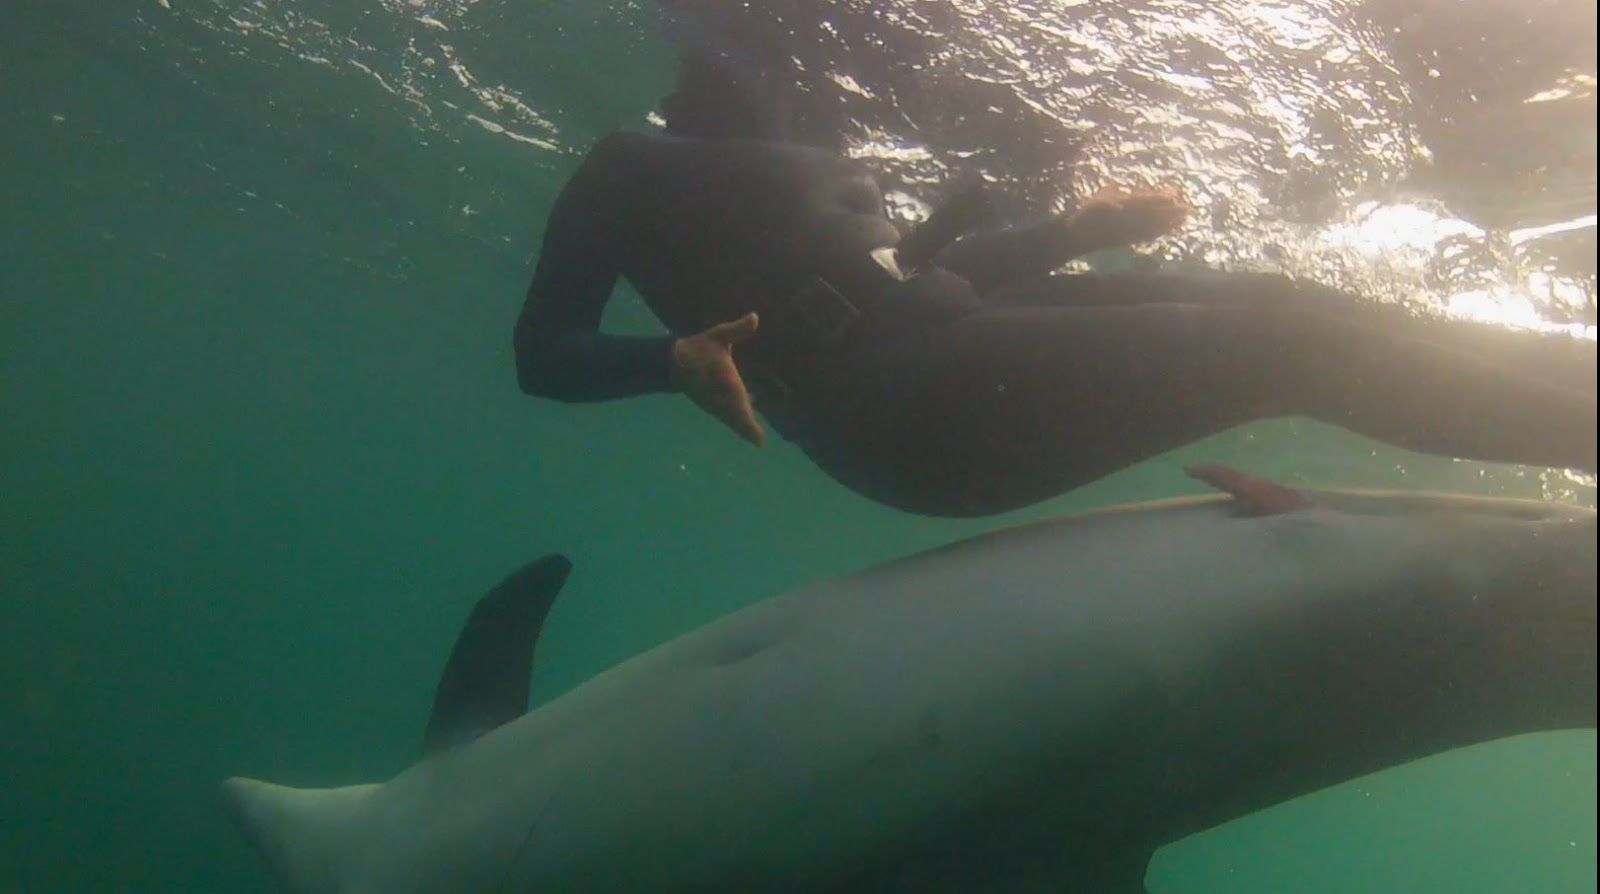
(716, 101)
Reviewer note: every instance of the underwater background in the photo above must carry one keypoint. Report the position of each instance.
(263, 445)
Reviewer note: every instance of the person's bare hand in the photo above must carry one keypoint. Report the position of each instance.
(703, 369)
(1114, 217)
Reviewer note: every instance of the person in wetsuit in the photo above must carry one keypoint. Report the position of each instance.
(964, 379)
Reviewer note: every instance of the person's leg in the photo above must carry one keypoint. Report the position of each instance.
(1003, 408)
(1451, 387)
(1553, 358)
(991, 259)
(1200, 287)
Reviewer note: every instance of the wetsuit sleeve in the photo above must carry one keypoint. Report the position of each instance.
(560, 350)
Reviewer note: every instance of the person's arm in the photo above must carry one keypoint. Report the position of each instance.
(578, 365)
(1111, 219)
(560, 351)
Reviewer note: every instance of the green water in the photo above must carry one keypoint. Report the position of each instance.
(263, 447)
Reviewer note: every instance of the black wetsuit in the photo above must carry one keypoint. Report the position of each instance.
(982, 384)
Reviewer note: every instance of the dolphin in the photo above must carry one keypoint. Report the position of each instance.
(1036, 709)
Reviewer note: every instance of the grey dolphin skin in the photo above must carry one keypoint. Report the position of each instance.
(1037, 709)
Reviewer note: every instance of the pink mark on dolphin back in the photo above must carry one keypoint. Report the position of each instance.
(1255, 496)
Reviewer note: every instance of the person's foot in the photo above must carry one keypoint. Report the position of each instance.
(1114, 217)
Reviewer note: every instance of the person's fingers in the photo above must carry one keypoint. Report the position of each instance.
(1162, 200)
(745, 424)
(1172, 202)
(720, 391)
(1168, 214)
(1110, 193)
(731, 333)
(738, 413)
(1154, 215)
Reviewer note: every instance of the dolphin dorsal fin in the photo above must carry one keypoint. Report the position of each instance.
(1255, 496)
(485, 683)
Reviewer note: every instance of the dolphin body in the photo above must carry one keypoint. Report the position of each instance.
(1037, 709)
